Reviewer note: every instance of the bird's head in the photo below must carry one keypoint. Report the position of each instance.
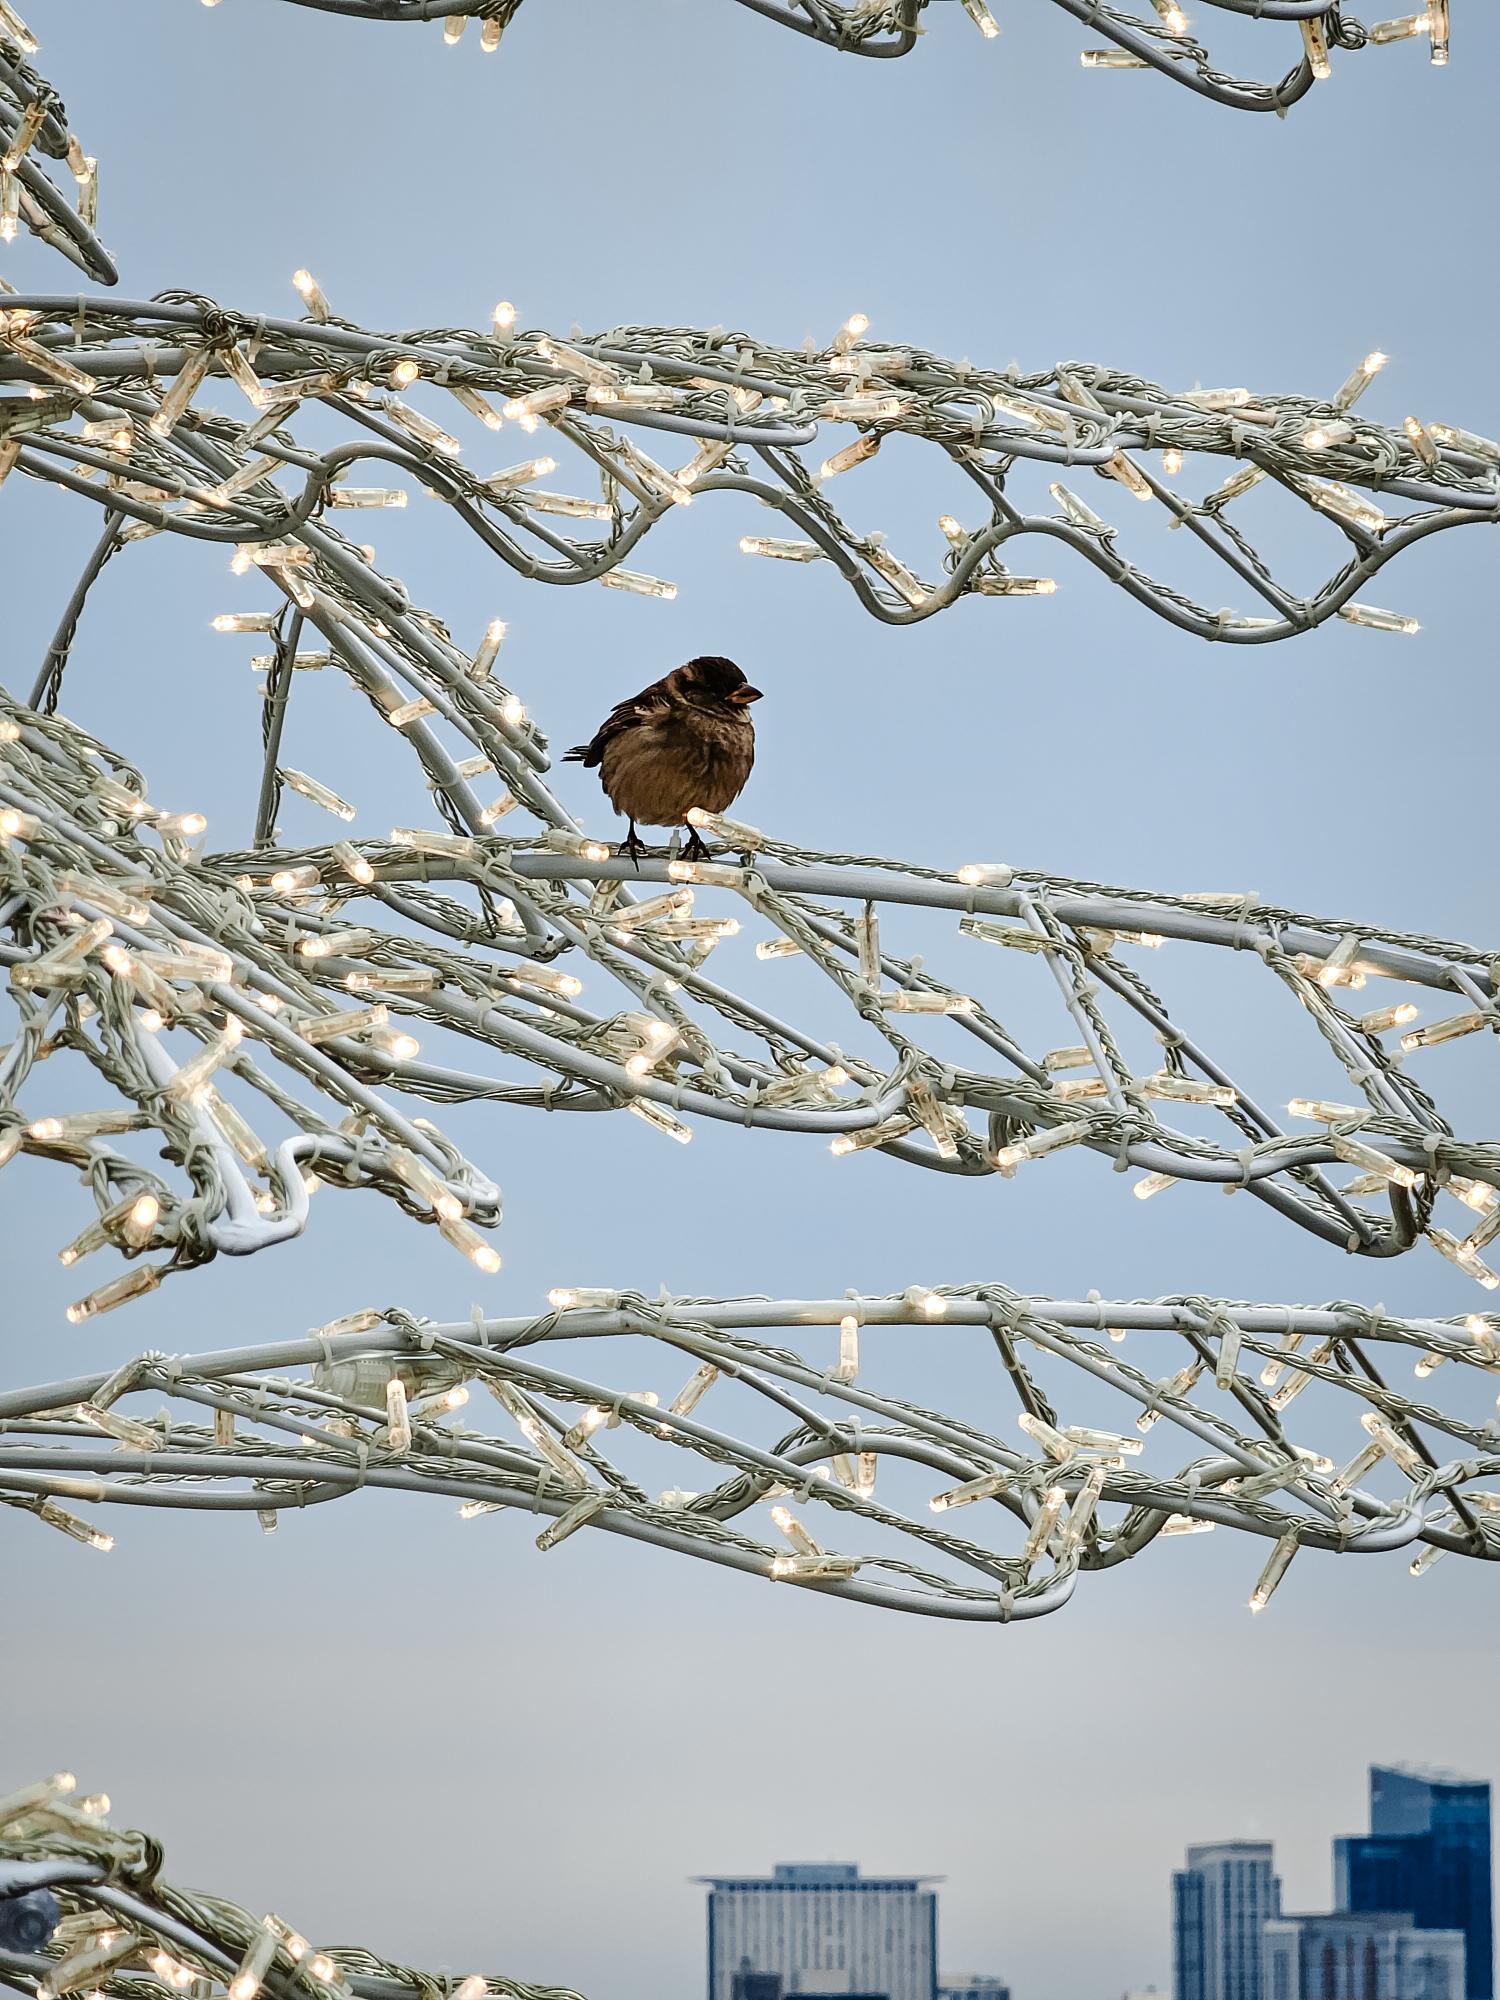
(711, 681)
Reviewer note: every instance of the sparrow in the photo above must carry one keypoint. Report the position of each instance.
(687, 740)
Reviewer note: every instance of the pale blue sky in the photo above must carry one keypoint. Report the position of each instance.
(583, 1733)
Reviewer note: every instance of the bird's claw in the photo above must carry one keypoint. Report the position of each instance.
(693, 848)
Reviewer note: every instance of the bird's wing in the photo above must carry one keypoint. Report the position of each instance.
(627, 715)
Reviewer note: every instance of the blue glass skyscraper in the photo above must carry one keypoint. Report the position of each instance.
(1427, 1851)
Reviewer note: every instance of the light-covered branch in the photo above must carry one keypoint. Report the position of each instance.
(130, 426)
(191, 980)
(1159, 37)
(34, 131)
(83, 1905)
(132, 949)
(1297, 1424)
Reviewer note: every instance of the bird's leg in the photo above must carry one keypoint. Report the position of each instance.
(693, 847)
(633, 845)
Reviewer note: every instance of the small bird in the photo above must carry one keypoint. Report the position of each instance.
(687, 740)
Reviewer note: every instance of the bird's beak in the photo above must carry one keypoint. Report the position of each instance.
(742, 697)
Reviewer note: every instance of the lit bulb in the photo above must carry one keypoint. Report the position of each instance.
(312, 293)
(1315, 46)
(1152, 1184)
(1274, 1571)
(353, 862)
(982, 18)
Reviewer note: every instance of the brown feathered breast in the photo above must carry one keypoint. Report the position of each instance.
(687, 740)
(676, 758)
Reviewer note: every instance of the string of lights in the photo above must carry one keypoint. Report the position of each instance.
(175, 973)
(115, 385)
(1159, 38)
(84, 1907)
(820, 1475)
(34, 129)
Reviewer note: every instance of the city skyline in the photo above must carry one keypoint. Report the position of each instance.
(1411, 1915)
(1231, 1936)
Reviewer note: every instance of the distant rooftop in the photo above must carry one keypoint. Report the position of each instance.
(815, 1875)
(1401, 1920)
(1258, 1848)
(1429, 1774)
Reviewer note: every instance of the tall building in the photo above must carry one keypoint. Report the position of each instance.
(1427, 1851)
(822, 1928)
(1220, 1901)
(1361, 1955)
